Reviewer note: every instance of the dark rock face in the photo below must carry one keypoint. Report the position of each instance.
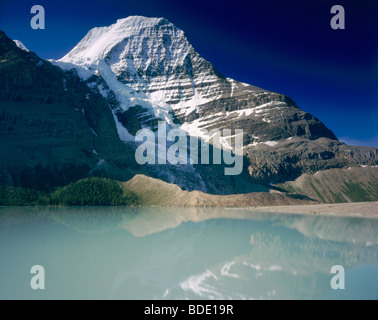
(133, 119)
(53, 129)
(291, 158)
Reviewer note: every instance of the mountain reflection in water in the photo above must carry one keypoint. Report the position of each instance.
(184, 253)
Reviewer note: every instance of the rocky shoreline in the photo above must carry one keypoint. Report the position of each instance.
(357, 209)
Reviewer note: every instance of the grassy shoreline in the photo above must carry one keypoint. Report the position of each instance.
(142, 191)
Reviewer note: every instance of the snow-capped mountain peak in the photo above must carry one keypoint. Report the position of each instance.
(149, 62)
(153, 56)
(99, 41)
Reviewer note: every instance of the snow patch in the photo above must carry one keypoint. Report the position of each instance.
(225, 270)
(84, 72)
(191, 105)
(275, 268)
(271, 143)
(104, 92)
(123, 133)
(252, 266)
(92, 85)
(64, 81)
(197, 286)
(94, 132)
(21, 45)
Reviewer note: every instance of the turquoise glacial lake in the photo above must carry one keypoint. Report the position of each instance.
(184, 253)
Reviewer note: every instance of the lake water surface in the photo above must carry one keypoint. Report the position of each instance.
(184, 253)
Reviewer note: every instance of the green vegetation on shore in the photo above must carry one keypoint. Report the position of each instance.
(16, 196)
(86, 192)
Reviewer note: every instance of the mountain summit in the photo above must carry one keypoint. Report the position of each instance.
(100, 41)
(154, 56)
(148, 63)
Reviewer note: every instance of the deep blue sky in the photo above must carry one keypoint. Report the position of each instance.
(282, 46)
